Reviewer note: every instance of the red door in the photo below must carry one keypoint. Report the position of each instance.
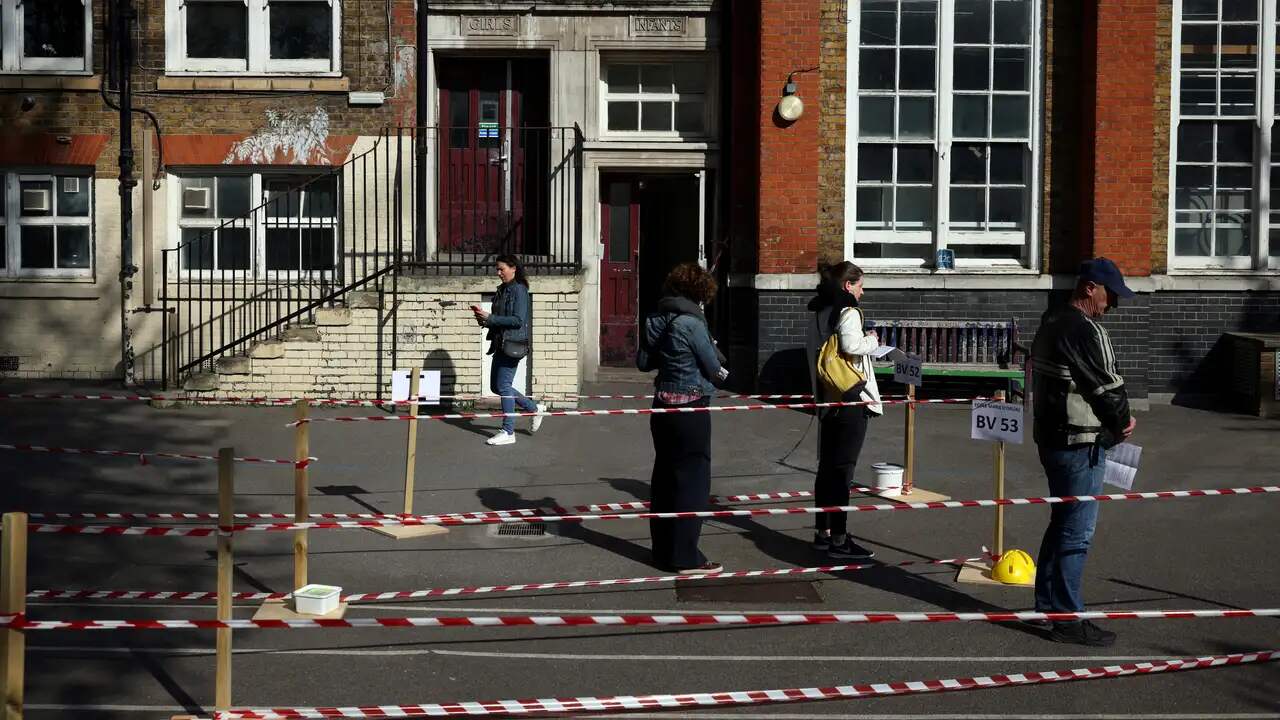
(482, 158)
(619, 273)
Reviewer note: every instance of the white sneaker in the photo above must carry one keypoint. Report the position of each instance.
(537, 419)
(502, 437)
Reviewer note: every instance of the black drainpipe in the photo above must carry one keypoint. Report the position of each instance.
(422, 101)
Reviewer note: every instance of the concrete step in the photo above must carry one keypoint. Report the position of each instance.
(267, 350)
(333, 317)
(301, 333)
(201, 382)
(234, 365)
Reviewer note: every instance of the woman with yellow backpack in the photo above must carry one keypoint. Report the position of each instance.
(840, 348)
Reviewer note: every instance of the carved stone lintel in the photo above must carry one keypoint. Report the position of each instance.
(659, 25)
(491, 25)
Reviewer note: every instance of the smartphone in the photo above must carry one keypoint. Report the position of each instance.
(475, 308)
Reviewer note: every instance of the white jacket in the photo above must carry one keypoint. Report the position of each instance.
(853, 341)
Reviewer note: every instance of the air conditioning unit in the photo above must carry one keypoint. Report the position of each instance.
(195, 198)
(39, 200)
(71, 185)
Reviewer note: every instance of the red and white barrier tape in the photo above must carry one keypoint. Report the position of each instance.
(737, 698)
(144, 454)
(346, 402)
(21, 622)
(632, 411)
(202, 531)
(178, 596)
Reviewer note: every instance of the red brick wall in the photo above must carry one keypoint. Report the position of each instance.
(1124, 106)
(790, 40)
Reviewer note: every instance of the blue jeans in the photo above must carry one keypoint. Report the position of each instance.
(502, 372)
(1060, 567)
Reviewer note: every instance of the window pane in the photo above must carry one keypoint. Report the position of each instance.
(1235, 188)
(191, 201)
(1199, 46)
(1240, 10)
(1008, 164)
(970, 115)
(968, 207)
(217, 29)
(879, 21)
(1195, 141)
(898, 251)
(53, 29)
(972, 69)
(915, 118)
(282, 249)
(915, 164)
(1011, 69)
(1013, 22)
(1192, 242)
(301, 30)
(973, 21)
(690, 77)
(987, 252)
(37, 198)
(459, 119)
(1235, 142)
(197, 249)
(1010, 116)
(875, 117)
(915, 208)
(1194, 187)
(233, 249)
(624, 78)
(690, 116)
(917, 70)
(233, 196)
(620, 222)
(73, 246)
(37, 247)
(919, 22)
(875, 163)
(875, 205)
(624, 115)
(1231, 241)
(1239, 46)
(1201, 9)
(1238, 95)
(968, 164)
(317, 249)
(1007, 206)
(73, 196)
(320, 198)
(875, 69)
(282, 200)
(655, 78)
(655, 116)
(1199, 94)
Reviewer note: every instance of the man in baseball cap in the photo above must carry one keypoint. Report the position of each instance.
(1102, 272)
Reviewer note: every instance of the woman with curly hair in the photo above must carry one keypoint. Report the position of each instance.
(677, 343)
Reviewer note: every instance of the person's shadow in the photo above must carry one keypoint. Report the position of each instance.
(503, 499)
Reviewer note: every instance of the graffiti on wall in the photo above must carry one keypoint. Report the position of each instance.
(298, 137)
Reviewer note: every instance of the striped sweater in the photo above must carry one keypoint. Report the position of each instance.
(1079, 397)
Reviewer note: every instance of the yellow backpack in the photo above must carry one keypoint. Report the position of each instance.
(838, 373)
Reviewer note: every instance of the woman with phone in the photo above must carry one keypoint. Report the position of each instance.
(509, 335)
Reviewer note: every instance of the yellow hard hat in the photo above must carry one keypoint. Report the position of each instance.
(1014, 567)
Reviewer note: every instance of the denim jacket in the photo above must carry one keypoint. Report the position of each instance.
(511, 316)
(678, 344)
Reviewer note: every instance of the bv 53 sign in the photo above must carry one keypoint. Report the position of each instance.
(999, 421)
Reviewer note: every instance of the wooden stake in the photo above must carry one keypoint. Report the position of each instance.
(411, 442)
(909, 446)
(226, 518)
(301, 513)
(13, 601)
(998, 540)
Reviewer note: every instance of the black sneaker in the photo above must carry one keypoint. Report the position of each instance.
(821, 542)
(1082, 633)
(847, 548)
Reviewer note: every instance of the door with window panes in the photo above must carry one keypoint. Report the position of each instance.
(944, 116)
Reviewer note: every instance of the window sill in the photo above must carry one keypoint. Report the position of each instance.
(187, 83)
(50, 82)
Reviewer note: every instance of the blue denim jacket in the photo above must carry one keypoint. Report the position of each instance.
(512, 314)
(678, 344)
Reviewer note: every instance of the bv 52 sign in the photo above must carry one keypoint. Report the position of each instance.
(991, 420)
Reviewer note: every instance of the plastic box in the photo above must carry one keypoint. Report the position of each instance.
(316, 599)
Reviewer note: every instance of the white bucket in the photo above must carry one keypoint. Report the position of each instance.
(888, 482)
(316, 599)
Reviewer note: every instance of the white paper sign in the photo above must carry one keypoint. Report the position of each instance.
(428, 386)
(881, 351)
(1122, 465)
(906, 369)
(991, 420)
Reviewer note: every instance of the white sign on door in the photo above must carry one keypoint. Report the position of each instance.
(428, 386)
(906, 370)
(991, 420)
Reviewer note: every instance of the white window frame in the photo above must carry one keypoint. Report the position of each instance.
(258, 61)
(941, 237)
(709, 95)
(258, 225)
(13, 60)
(1263, 122)
(14, 222)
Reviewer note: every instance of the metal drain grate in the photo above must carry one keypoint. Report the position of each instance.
(525, 529)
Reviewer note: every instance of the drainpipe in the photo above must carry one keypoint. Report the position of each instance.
(423, 107)
(124, 17)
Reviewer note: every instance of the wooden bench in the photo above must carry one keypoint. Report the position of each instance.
(960, 349)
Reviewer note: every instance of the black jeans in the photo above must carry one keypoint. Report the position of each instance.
(841, 433)
(681, 481)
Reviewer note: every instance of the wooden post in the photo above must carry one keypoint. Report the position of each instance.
(13, 601)
(998, 540)
(411, 442)
(226, 518)
(909, 445)
(301, 513)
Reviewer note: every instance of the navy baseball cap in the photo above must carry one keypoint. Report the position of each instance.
(1105, 273)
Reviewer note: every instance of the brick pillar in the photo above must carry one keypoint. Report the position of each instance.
(790, 40)
(1124, 106)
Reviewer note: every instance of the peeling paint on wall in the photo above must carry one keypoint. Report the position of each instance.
(404, 68)
(293, 136)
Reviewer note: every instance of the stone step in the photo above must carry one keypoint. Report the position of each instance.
(233, 365)
(267, 350)
(333, 317)
(301, 333)
(201, 382)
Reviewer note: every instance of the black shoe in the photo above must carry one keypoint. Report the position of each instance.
(821, 542)
(1082, 633)
(847, 548)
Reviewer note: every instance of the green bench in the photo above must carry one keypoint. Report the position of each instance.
(960, 349)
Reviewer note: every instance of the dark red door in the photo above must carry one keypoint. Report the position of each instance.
(619, 272)
(482, 158)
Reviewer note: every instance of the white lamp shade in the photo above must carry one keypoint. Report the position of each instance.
(790, 108)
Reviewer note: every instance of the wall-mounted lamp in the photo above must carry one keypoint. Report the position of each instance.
(791, 107)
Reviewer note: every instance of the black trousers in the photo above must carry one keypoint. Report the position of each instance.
(681, 481)
(841, 434)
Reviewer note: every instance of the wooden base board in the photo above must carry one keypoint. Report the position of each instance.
(918, 495)
(980, 574)
(283, 610)
(409, 532)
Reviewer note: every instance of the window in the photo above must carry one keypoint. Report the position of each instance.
(667, 99)
(253, 36)
(46, 226)
(45, 35)
(942, 144)
(1224, 180)
(292, 227)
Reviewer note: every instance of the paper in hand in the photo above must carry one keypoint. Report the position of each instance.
(1122, 465)
(880, 352)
